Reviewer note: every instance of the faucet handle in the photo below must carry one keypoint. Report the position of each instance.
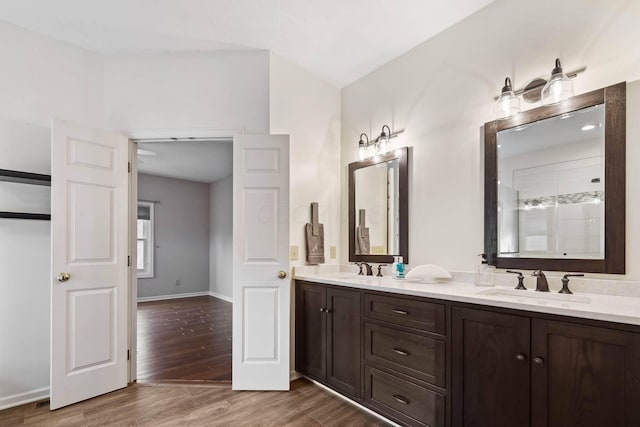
(565, 283)
(360, 265)
(380, 269)
(520, 279)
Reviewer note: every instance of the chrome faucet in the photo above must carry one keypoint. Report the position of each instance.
(541, 282)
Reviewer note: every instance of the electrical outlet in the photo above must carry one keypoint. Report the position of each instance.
(293, 253)
(332, 252)
(178, 282)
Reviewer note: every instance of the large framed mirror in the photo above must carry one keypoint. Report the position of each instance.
(379, 208)
(555, 185)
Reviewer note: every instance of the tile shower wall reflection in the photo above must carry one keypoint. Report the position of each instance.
(551, 187)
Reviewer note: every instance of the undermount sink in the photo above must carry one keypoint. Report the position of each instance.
(534, 297)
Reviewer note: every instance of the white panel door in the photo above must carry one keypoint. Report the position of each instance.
(261, 299)
(89, 238)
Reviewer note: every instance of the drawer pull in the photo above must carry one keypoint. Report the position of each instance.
(401, 352)
(403, 312)
(401, 399)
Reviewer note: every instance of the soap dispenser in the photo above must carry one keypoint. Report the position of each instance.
(398, 267)
(485, 273)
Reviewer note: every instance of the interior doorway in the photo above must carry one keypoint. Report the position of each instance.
(183, 251)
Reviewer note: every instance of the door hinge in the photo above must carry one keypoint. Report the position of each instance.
(128, 261)
(129, 167)
(128, 354)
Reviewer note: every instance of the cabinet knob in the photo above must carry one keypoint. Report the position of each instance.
(521, 356)
(538, 360)
(321, 309)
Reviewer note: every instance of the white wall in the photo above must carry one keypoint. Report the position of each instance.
(225, 91)
(221, 238)
(40, 79)
(442, 93)
(308, 109)
(181, 236)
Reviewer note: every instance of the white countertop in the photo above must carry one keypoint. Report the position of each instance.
(620, 309)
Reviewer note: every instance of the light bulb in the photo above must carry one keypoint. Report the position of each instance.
(558, 88)
(508, 104)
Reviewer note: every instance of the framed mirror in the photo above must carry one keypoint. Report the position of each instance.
(555, 185)
(379, 208)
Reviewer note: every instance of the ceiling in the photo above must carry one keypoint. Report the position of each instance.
(199, 161)
(339, 40)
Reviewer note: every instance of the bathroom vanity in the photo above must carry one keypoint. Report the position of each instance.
(458, 355)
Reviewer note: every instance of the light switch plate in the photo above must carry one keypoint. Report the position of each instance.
(293, 253)
(332, 252)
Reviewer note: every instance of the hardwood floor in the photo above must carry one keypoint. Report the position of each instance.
(207, 405)
(186, 339)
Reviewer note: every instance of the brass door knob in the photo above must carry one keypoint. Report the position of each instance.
(63, 277)
(282, 274)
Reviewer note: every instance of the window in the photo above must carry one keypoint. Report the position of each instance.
(145, 240)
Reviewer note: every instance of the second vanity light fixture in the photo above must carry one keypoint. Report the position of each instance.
(382, 144)
(558, 88)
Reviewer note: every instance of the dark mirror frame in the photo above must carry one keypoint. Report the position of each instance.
(402, 154)
(614, 98)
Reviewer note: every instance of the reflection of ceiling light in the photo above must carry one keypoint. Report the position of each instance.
(499, 145)
(588, 127)
(143, 152)
(565, 116)
(596, 199)
(521, 127)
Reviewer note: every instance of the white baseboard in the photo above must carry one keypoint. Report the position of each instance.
(222, 297)
(22, 398)
(173, 296)
(354, 403)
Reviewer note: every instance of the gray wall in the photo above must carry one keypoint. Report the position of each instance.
(181, 236)
(221, 238)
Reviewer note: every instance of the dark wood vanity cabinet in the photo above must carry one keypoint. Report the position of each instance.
(512, 370)
(490, 361)
(425, 362)
(328, 336)
(584, 376)
(405, 375)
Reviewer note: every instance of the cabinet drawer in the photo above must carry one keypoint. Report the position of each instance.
(414, 314)
(420, 357)
(407, 402)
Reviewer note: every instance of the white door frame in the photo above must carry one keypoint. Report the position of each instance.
(134, 136)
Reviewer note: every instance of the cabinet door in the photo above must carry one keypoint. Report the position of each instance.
(311, 330)
(344, 341)
(584, 376)
(490, 361)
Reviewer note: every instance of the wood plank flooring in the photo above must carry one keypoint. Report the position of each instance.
(185, 339)
(207, 405)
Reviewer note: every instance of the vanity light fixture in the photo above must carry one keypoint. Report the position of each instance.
(380, 145)
(508, 104)
(363, 145)
(558, 88)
